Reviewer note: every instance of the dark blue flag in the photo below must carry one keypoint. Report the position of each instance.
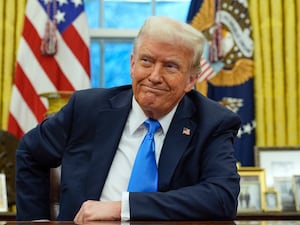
(229, 51)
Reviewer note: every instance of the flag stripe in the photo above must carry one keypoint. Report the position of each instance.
(30, 96)
(33, 69)
(82, 28)
(14, 126)
(34, 10)
(69, 63)
(206, 70)
(22, 112)
(78, 47)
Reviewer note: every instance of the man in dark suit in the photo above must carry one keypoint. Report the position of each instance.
(96, 136)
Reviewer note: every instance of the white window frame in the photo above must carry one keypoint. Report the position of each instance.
(121, 35)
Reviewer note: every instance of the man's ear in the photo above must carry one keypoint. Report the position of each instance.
(191, 82)
(132, 63)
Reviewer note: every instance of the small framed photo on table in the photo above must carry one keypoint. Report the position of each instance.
(252, 183)
(250, 197)
(3, 193)
(284, 186)
(272, 201)
(296, 185)
(278, 162)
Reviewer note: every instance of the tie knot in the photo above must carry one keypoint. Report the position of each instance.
(152, 125)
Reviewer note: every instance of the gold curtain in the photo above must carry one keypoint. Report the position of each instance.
(11, 24)
(276, 30)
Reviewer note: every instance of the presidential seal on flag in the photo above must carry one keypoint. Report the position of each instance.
(227, 64)
(229, 51)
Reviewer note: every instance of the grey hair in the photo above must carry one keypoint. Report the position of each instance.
(167, 30)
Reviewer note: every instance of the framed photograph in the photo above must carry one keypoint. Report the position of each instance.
(3, 193)
(296, 185)
(251, 198)
(278, 162)
(272, 199)
(284, 186)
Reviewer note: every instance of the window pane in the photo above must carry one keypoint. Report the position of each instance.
(117, 64)
(125, 14)
(174, 9)
(92, 10)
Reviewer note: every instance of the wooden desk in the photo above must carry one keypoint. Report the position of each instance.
(7, 216)
(244, 222)
(10, 216)
(269, 216)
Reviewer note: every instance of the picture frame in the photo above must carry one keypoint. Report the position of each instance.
(3, 193)
(252, 182)
(249, 198)
(277, 162)
(273, 203)
(284, 186)
(296, 186)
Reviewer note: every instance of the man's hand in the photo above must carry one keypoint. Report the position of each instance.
(97, 210)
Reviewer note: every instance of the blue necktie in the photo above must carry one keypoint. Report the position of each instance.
(144, 175)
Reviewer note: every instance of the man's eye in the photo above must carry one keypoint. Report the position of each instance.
(146, 61)
(171, 66)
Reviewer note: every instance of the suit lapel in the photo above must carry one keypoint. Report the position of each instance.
(179, 135)
(110, 124)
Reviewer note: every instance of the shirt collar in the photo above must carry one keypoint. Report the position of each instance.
(137, 117)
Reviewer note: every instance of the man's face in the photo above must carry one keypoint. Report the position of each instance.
(160, 75)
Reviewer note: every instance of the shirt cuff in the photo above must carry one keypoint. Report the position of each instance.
(125, 209)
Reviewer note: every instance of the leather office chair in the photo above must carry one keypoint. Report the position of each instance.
(54, 192)
(8, 146)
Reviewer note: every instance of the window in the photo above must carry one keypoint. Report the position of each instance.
(113, 25)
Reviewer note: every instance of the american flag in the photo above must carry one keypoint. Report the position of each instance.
(207, 72)
(66, 69)
(186, 131)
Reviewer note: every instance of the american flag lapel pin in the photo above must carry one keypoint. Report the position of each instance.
(186, 131)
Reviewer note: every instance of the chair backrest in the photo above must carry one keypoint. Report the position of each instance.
(54, 192)
(8, 147)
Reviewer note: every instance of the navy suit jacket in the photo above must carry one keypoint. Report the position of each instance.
(198, 178)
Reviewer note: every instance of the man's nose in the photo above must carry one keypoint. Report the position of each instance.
(156, 73)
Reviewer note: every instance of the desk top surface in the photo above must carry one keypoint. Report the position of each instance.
(242, 222)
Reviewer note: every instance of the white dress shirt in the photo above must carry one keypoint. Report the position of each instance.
(115, 187)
